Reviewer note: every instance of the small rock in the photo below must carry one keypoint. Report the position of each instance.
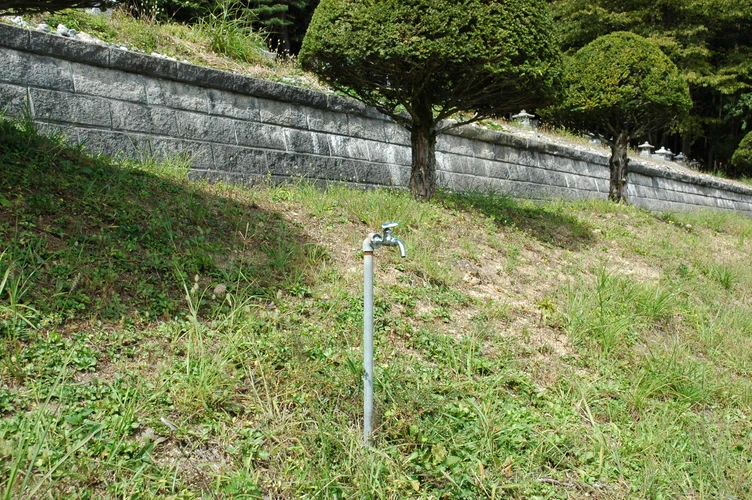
(471, 279)
(220, 290)
(162, 56)
(62, 30)
(269, 55)
(85, 37)
(43, 27)
(148, 435)
(18, 21)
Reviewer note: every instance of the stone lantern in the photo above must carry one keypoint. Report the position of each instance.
(663, 154)
(680, 158)
(593, 139)
(524, 118)
(645, 149)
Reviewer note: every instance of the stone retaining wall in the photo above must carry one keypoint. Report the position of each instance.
(238, 128)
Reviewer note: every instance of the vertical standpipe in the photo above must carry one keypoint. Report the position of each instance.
(369, 245)
(367, 345)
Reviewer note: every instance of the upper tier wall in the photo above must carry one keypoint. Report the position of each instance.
(238, 128)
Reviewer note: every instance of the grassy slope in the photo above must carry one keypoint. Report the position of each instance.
(162, 337)
(219, 41)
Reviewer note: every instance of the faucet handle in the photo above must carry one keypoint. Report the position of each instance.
(389, 225)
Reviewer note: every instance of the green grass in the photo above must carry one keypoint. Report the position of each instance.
(228, 28)
(222, 40)
(226, 32)
(167, 338)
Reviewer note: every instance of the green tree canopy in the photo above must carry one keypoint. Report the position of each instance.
(741, 162)
(620, 86)
(422, 61)
(708, 40)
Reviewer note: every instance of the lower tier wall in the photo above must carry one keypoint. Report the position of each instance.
(240, 129)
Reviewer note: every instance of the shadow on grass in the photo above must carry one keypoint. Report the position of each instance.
(544, 222)
(90, 236)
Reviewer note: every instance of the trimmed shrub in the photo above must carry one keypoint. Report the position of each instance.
(742, 159)
(422, 61)
(620, 86)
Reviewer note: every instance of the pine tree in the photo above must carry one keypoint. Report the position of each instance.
(285, 20)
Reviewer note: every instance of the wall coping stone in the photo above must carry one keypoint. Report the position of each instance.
(635, 165)
(30, 40)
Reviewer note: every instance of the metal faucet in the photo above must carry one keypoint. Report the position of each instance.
(388, 240)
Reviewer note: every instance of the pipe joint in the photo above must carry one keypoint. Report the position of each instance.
(373, 242)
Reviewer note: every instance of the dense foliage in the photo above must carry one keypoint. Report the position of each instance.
(621, 86)
(741, 162)
(709, 40)
(621, 82)
(422, 61)
(285, 21)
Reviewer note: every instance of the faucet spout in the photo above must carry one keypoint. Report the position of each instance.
(401, 247)
(390, 241)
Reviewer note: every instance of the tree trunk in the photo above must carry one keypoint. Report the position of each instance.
(423, 174)
(284, 38)
(618, 165)
(286, 45)
(687, 147)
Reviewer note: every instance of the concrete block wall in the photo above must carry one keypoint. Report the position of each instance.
(238, 129)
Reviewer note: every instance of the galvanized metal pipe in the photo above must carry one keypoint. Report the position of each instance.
(373, 241)
(367, 344)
